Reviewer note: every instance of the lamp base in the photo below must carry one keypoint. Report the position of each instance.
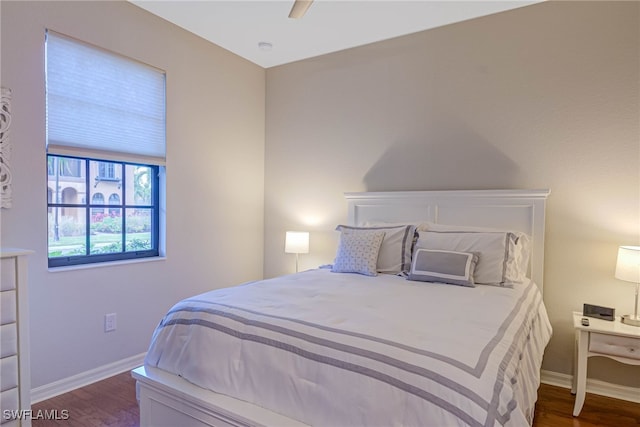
(631, 319)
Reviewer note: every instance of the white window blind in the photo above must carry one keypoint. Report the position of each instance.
(102, 103)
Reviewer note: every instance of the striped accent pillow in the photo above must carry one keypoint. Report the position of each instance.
(456, 268)
(492, 248)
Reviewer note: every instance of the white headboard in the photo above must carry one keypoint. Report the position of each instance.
(518, 210)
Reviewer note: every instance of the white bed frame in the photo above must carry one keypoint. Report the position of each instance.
(168, 400)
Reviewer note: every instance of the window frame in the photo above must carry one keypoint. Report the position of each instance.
(88, 206)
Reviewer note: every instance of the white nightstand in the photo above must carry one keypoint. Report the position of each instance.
(614, 340)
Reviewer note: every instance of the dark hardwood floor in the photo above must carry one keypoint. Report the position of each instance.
(112, 402)
(555, 408)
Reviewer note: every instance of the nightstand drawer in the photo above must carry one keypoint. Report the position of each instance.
(615, 345)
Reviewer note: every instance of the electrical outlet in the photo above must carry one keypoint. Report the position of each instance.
(110, 322)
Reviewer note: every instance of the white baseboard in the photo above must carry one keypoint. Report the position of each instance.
(64, 385)
(602, 388)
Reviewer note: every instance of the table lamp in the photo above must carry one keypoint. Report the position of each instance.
(296, 242)
(628, 269)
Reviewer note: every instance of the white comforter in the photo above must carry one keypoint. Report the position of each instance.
(333, 349)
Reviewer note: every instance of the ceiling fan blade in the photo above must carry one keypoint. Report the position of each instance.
(299, 8)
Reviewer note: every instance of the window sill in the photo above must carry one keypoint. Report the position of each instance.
(105, 264)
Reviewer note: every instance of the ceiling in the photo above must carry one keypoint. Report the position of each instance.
(328, 26)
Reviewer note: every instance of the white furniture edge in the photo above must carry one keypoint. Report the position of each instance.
(582, 351)
(24, 360)
(169, 400)
(181, 403)
(11, 252)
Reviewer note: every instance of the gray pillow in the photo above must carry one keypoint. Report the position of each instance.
(451, 267)
(395, 251)
(492, 248)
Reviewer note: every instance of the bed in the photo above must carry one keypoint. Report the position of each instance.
(431, 314)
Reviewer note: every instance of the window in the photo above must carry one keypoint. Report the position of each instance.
(105, 154)
(88, 231)
(66, 167)
(96, 199)
(114, 199)
(106, 172)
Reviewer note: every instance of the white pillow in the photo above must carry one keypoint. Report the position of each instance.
(456, 268)
(519, 247)
(492, 248)
(395, 252)
(358, 252)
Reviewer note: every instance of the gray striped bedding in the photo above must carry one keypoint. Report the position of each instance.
(335, 349)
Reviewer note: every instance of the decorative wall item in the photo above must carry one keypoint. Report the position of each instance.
(5, 148)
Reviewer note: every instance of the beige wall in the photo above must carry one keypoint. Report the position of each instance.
(546, 96)
(214, 197)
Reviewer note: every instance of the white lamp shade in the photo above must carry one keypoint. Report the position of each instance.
(628, 265)
(296, 242)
